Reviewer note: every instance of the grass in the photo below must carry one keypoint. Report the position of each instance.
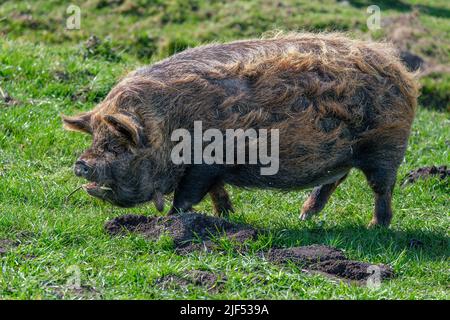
(49, 71)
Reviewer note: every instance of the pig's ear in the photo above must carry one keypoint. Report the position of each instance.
(81, 122)
(127, 127)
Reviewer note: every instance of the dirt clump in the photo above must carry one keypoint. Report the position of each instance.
(6, 245)
(307, 254)
(425, 172)
(92, 43)
(94, 47)
(415, 243)
(5, 98)
(402, 30)
(412, 61)
(189, 231)
(422, 54)
(81, 95)
(206, 279)
(85, 94)
(353, 270)
(328, 261)
(108, 3)
(83, 292)
(130, 7)
(27, 20)
(61, 76)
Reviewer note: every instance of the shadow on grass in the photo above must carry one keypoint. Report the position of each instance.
(430, 245)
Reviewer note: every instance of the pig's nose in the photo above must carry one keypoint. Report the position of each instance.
(82, 169)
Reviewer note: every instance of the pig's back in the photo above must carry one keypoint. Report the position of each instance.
(312, 68)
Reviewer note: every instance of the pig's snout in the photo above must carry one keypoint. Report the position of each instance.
(82, 169)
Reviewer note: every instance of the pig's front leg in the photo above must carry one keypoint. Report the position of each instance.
(193, 187)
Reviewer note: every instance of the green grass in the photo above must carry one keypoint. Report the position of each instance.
(36, 158)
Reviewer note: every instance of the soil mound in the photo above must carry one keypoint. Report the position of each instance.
(189, 231)
(328, 260)
(425, 172)
(6, 245)
(194, 231)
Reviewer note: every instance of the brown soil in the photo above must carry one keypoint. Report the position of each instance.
(130, 7)
(27, 20)
(108, 3)
(305, 255)
(403, 30)
(189, 231)
(413, 62)
(81, 95)
(83, 292)
(425, 172)
(6, 99)
(62, 76)
(6, 245)
(327, 260)
(422, 53)
(352, 270)
(94, 46)
(195, 231)
(206, 279)
(92, 43)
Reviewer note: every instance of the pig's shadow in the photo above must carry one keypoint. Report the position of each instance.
(428, 244)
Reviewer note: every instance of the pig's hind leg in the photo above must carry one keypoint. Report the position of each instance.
(319, 198)
(379, 160)
(220, 199)
(382, 182)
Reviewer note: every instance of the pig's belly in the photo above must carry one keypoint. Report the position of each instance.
(285, 180)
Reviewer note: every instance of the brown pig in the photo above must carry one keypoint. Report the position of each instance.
(334, 103)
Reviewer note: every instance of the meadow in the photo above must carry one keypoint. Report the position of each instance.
(47, 240)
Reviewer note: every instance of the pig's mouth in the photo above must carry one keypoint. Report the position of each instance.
(104, 192)
(107, 193)
(97, 190)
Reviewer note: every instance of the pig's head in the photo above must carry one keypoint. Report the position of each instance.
(119, 164)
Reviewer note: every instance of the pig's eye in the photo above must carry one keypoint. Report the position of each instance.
(115, 148)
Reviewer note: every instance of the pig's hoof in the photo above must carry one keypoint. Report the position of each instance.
(223, 212)
(377, 224)
(305, 215)
(372, 225)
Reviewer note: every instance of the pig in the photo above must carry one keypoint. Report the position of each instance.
(337, 104)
